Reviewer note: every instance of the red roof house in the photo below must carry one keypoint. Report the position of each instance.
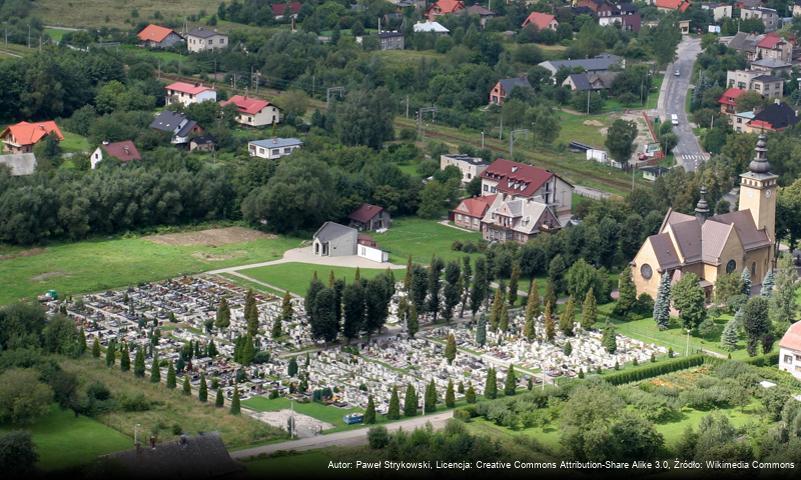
(189, 93)
(728, 101)
(470, 211)
(281, 9)
(444, 7)
(21, 137)
(124, 151)
(158, 36)
(253, 111)
(541, 20)
(680, 5)
(520, 180)
(790, 351)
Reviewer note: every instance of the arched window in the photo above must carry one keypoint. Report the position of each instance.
(646, 271)
(731, 266)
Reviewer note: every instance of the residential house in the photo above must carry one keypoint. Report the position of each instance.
(773, 46)
(602, 62)
(790, 350)
(156, 36)
(254, 112)
(745, 43)
(369, 218)
(741, 120)
(18, 164)
(776, 117)
(672, 5)
(626, 16)
(178, 125)
(482, 13)
(711, 246)
(591, 5)
(503, 88)
(124, 151)
(273, 148)
(430, 27)
(740, 4)
(771, 66)
(756, 81)
(517, 219)
(728, 101)
(22, 136)
(653, 172)
(470, 211)
(720, 11)
(542, 21)
(471, 167)
(391, 41)
(189, 93)
(520, 180)
(594, 81)
(335, 240)
(769, 17)
(200, 456)
(202, 143)
(443, 7)
(286, 10)
(203, 40)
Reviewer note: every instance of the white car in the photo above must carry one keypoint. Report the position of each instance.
(674, 119)
(677, 73)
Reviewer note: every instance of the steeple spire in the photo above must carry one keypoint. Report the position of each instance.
(702, 208)
(760, 164)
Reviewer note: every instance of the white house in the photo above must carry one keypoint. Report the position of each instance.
(187, 93)
(790, 351)
(124, 151)
(471, 167)
(254, 112)
(273, 148)
(202, 40)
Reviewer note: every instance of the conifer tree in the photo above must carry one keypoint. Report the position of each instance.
(503, 322)
(548, 323)
(292, 368)
(186, 387)
(478, 292)
(125, 358)
(460, 388)
(609, 339)
(111, 353)
(481, 330)
(589, 311)
(393, 411)
(171, 383)
(251, 314)
(495, 311)
(450, 348)
(96, 348)
(662, 303)
(746, 282)
(767, 284)
(211, 349)
(369, 413)
(470, 394)
(139, 363)
(450, 396)
(356, 276)
(155, 371)
(410, 402)
(465, 280)
(567, 349)
(532, 312)
(412, 322)
(430, 398)
(530, 384)
(510, 385)
(407, 279)
(223, 318)
(627, 298)
(567, 318)
(202, 391)
(491, 385)
(452, 290)
(219, 401)
(514, 280)
(550, 293)
(81, 342)
(235, 408)
(728, 339)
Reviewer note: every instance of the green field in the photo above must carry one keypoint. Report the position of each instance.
(295, 277)
(94, 265)
(64, 440)
(325, 413)
(421, 239)
(74, 143)
(157, 54)
(573, 127)
(115, 13)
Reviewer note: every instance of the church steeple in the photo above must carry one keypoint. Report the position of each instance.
(758, 187)
(760, 164)
(702, 208)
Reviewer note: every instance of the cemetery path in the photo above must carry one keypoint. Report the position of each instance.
(340, 439)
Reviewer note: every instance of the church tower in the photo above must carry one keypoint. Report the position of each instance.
(758, 188)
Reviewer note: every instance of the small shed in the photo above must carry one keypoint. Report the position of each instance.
(335, 240)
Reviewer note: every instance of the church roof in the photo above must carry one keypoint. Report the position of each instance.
(746, 228)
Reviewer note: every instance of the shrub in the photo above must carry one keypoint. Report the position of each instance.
(378, 437)
(136, 403)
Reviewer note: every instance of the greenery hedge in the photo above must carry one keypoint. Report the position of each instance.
(656, 369)
(764, 360)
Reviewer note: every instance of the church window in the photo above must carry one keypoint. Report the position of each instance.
(646, 271)
(731, 266)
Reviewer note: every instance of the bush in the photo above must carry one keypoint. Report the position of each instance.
(378, 437)
(457, 246)
(137, 403)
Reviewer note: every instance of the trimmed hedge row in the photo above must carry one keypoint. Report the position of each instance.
(764, 360)
(656, 369)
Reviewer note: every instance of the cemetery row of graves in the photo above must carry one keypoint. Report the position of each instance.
(177, 322)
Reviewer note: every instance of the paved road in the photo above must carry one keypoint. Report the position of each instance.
(347, 438)
(672, 99)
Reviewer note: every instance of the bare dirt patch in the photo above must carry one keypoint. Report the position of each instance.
(48, 276)
(213, 237)
(593, 123)
(24, 253)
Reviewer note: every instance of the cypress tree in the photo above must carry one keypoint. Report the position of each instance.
(478, 292)
(223, 317)
(627, 298)
(235, 409)
(532, 312)
(434, 286)
(460, 388)
(550, 293)
(491, 385)
(211, 350)
(550, 328)
(171, 383)
(767, 284)
(567, 349)
(470, 395)
(466, 278)
(187, 388)
(111, 353)
(503, 323)
(510, 385)
(567, 319)
(530, 384)
(514, 279)
(139, 363)
(219, 401)
(662, 303)
(96, 348)
(495, 311)
(609, 339)
(746, 282)
(311, 296)
(155, 371)
(481, 330)
(292, 368)
(430, 398)
(202, 391)
(407, 279)
(81, 342)
(369, 413)
(410, 402)
(589, 311)
(450, 396)
(251, 314)
(393, 412)
(125, 358)
(450, 348)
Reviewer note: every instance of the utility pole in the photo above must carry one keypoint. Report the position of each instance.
(433, 110)
(482, 139)
(500, 129)
(588, 101)
(340, 91)
(29, 35)
(407, 106)
(512, 135)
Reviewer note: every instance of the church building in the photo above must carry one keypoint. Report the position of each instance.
(711, 246)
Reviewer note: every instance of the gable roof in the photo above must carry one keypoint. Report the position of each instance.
(508, 84)
(603, 61)
(539, 20)
(188, 88)
(155, 33)
(744, 41)
(447, 6)
(248, 105)
(792, 338)
(475, 206)
(665, 252)
(26, 133)
(518, 179)
(365, 213)
(775, 116)
(730, 96)
(204, 33)
(124, 151)
(680, 5)
(168, 121)
(528, 216)
(332, 230)
(479, 10)
(19, 163)
(770, 63)
(771, 40)
(746, 229)
(279, 9)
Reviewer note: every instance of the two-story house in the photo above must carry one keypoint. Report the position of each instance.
(769, 17)
(22, 136)
(773, 46)
(254, 112)
(470, 167)
(503, 88)
(203, 40)
(790, 351)
(757, 81)
(156, 36)
(188, 93)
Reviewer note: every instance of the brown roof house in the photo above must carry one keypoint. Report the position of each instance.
(711, 246)
(470, 211)
(124, 151)
(369, 218)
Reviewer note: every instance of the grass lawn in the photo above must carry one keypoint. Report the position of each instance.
(55, 33)
(295, 277)
(93, 265)
(421, 239)
(74, 143)
(325, 413)
(114, 13)
(691, 418)
(406, 57)
(64, 440)
(573, 127)
(157, 54)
